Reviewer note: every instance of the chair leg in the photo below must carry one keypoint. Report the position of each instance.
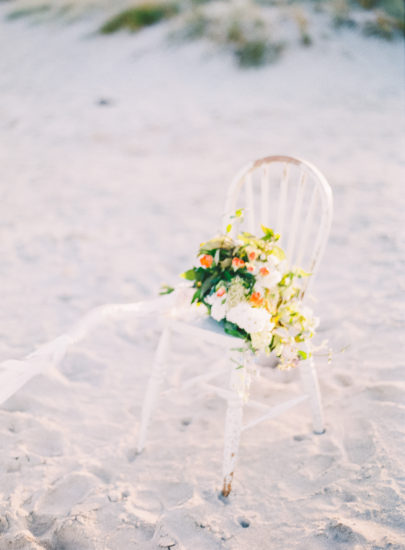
(311, 387)
(152, 391)
(233, 426)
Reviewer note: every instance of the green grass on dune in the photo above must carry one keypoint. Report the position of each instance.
(138, 17)
(243, 29)
(28, 11)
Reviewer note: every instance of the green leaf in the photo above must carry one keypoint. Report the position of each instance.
(268, 233)
(208, 283)
(302, 354)
(234, 330)
(278, 253)
(287, 279)
(190, 275)
(302, 273)
(166, 289)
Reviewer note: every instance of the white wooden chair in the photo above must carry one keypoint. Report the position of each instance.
(292, 197)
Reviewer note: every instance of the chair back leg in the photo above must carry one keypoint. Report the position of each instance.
(310, 384)
(152, 391)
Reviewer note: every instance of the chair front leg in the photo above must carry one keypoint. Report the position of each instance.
(233, 428)
(310, 384)
(152, 391)
(239, 385)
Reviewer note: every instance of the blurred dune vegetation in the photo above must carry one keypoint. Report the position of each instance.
(254, 32)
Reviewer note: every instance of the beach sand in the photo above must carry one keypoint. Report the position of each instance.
(116, 154)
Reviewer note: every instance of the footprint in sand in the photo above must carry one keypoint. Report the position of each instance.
(387, 393)
(23, 541)
(38, 524)
(358, 440)
(75, 534)
(80, 367)
(344, 380)
(174, 493)
(45, 442)
(337, 532)
(65, 494)
(180, 530)
(4, 524)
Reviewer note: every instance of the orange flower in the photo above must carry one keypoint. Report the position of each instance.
(250, 268)
(206, 260)
(221, 291)
(256, 299)
(237, 263)
(252, 256)
(264, 271)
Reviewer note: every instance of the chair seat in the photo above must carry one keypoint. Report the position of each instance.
(205, 328)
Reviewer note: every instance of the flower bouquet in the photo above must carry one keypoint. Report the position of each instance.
(247, 286)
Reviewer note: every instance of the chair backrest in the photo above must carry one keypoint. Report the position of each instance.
(290, 196)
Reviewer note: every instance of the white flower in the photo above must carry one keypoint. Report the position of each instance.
(290, 351)
(218, 306)
(272, 279)
(218, 310)
(248, 318)
(259, 288)
(273, 298)
(288, 293)
(282, 332)
(236, 293)
(261, 340)
(272, 262)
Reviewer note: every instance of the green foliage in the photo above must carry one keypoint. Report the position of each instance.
(269, 234)
(237, 29)
(195, 25)
(200, 2)
(394, 8)
(251, 53)
(257, 52)
(222, 250)
(190, 275)
(384, 26)
(166, 289)
(234, 330)
(252, 295)
(26, 12)
(301, 20)
(248, 38)
(244, 30)
(386, 18)
(143, 15)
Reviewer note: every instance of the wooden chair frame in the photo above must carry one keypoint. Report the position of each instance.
(297, 246)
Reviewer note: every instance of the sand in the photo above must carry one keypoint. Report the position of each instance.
(116, 153)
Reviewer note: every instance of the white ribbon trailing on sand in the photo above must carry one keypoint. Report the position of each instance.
(15, 373)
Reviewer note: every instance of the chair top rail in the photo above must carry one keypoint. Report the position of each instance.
(238, 181)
